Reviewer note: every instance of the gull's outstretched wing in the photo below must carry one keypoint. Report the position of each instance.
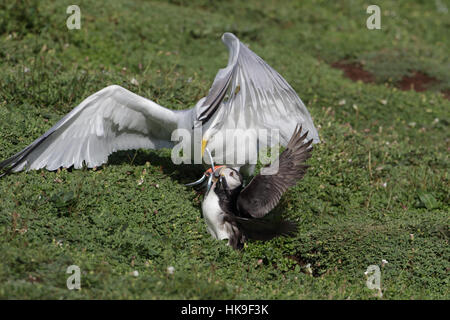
(249, 94)
(111, 119)
(264, 192)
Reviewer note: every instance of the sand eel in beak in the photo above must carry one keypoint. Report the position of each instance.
(206, 179)
(246, 95)
(235, 213)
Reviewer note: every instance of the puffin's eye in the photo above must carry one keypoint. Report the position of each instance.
(231, 174)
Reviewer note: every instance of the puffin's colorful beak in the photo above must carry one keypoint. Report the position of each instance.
(210, 170)
(213, 174)
(210, 173)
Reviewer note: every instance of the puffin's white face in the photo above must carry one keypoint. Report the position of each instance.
(232, 177)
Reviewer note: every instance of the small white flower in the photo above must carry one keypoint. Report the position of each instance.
(384, 184)
(135, 273)
(383, 262)
(170, 270)
(26, 70)
(134, 82)
(308, 269)
(342, 102)
(25, 230)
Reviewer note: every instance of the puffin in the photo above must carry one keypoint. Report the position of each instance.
(236, 213)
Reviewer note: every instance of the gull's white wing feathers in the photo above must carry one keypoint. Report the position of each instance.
(249, 94)
(111, 119)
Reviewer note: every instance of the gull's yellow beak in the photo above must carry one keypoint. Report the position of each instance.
(204, 142)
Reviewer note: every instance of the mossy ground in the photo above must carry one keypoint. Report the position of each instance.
(377, 188)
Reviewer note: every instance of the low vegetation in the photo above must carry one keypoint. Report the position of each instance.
(377, 188)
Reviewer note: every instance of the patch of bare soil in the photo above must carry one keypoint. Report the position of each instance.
(446, 94)
(354, 71)
(419, 82)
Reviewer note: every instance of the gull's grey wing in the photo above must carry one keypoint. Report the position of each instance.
(249, 94)
(222, 82)
(263, 192)
(111, 119)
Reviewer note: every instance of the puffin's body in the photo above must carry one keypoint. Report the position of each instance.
(219, 207)
(216, 208)
(236, 213)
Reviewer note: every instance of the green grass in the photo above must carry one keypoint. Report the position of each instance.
(378, 186)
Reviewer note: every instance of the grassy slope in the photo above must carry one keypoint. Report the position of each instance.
(380, 175)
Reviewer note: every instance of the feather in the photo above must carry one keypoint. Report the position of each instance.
(246, 95)
(112, 119)
(264, 192)
(249, 94)
(261, 229)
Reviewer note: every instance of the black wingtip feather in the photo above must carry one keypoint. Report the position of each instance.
(9, 164)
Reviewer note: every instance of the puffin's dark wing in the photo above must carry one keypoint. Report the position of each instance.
(262, 229)
(264, 191)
